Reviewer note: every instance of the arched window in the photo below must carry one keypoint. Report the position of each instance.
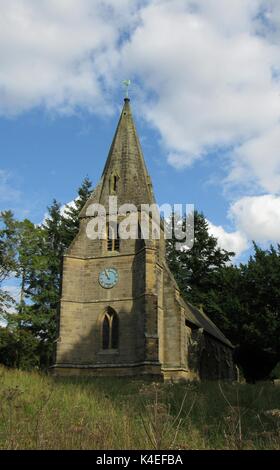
(110, 330)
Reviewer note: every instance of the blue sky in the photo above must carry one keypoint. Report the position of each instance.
(46, 158)
(205, 96)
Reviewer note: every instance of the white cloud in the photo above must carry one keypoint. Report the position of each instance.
(68, 205)
(230, 241)
(208, 75)
(259, 158)
(51, 52)
(211, 66)
(13, 290)
(258, 217)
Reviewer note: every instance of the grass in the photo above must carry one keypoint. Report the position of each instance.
(42, 412)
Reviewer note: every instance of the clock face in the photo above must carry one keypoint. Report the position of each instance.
(108, 278)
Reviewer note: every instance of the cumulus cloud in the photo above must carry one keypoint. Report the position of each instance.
(210, 65)
(262, 155)
(258, 217)
(63, 210)
(207, 73)
(52, 53)
(230, 241)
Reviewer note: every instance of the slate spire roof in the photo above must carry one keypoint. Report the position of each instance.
(125, 174)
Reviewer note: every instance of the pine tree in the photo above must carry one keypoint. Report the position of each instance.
(42, 283)
(34, 255)
(8, 257)
(243, 301)
(194, 269)
(70, 217)
(259, 347)
(245, 304)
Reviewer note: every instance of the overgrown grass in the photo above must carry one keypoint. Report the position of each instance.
(43, 412)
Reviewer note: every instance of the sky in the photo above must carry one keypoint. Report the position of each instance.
(205, 96)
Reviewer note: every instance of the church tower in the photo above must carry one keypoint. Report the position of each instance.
(121, 311)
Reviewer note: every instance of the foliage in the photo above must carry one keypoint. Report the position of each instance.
(18, 348)
(71, 217)
(194, 269)
(34, 254)
(7, 244)
(275, 373)
(260, 336)
(243, 301)
(246, 306)
(8, 262)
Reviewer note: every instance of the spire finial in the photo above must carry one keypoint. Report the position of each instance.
(126, 83)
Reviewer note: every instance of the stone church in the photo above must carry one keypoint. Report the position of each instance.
(121, 311)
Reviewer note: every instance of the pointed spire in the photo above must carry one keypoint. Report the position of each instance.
(125, 174)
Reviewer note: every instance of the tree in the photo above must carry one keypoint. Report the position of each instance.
(246, 306)
(243, 301)
(42, 283)
(224, 301)
(194, 269)
(18, 348)
(30, 246)
(34, 254)
(259, 346)
(71, 213)
(8, 259)
(41, 266)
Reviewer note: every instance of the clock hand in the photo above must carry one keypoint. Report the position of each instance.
(107, 275)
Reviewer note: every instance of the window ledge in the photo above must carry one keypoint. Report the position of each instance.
(110, 352)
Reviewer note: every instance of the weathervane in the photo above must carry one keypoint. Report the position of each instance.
(126, 83)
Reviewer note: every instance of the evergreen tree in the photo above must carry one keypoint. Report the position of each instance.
(18, 348)
(71, 212)
(30, 245)
(259, 348)
(243, 301)
(8, 257)
(194, 269)
(224, 301)
(44, 277)
(43, 284)
(245, 304)
(35, 254)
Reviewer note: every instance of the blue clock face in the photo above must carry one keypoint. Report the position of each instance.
(108, 278)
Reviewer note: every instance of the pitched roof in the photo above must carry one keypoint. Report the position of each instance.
(204, 322)
(199, 318)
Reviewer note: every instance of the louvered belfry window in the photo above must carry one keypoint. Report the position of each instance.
(113, 239)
